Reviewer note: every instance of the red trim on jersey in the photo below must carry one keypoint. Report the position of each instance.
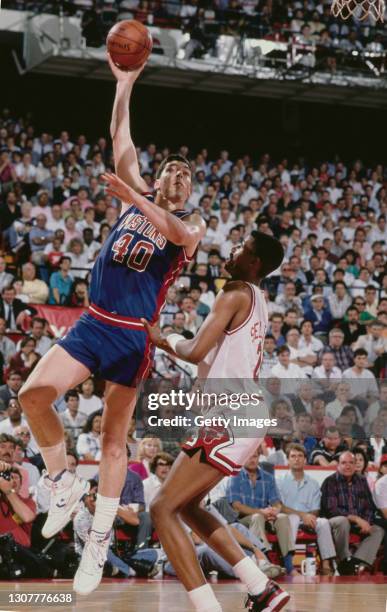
(146, 363)
(232, 331)
(217, 460)
(170, 276)
(114, 319)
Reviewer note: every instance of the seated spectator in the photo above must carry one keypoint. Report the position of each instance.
(281, 411)
(79, 258)
(39, 237)
(320, 421)
(61, 283)
(270, 358)
(72, 418)
(378, 439)
(351, 326)
(82, 529)
(79, 296)
(363, 383)
(17, 513)
(14, 418)
(327, 371)
(303, 432)
(160, 467)
(356, 431)
(290, 373)
(300, 496)
(343, 393)
(339, 301)
(327, 452)
(347, 502)
(89, 442)
(254, 496)
(302, 400)
(319, 315)
(10, 389)
(19, 461)
(5, 277)
(343, 354)
(34, 288)
(147, 449)
(7, 346)
(307, 339)
(12, 310)
(380, 499)
(88, 401)
(26, 359)
(31, 451)
(131, 441)
(275, 328)
(289, 299)
(305, 358)
(38, 333)
(373, 342)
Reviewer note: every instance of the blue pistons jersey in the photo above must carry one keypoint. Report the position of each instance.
(135, 267)
(129, 280)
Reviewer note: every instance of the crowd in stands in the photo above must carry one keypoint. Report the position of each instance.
(309, 23)
(324, 359)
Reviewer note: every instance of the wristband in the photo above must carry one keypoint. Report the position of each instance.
(173, 339)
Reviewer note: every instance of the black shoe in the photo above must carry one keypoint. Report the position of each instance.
(272, 599)
(348, 567)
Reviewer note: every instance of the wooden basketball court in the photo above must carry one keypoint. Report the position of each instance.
(134, 595)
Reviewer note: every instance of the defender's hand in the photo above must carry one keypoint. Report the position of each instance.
(154, 334)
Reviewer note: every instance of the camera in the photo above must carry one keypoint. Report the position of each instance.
(6, 475)
(10, 569)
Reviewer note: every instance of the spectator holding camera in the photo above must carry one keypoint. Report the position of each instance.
(16, 513)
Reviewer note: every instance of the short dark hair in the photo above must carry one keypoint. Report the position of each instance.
(360, 352)
(171, 158)
(71, 393)
(4, 437)
(72, 453)
(164, 457)
(269, 250)
(283, 349)
(295, 447)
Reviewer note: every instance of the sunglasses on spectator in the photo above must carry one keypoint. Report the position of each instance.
(360, 303)
(92, 496)
(162, 463)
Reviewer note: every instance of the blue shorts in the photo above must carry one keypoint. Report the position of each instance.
(116, 354)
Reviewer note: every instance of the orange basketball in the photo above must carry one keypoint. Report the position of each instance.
(129, 44)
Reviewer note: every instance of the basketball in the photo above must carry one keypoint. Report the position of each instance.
(129, 44)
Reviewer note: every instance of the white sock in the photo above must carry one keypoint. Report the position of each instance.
(203, 599)
(105, 513)
(54, 458)
(248, 573)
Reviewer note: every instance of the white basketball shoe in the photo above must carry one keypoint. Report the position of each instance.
(66, 492)
(89, 573)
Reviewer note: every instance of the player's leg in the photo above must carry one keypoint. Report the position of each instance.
(56, 372)
(119, 406)
(186, 481)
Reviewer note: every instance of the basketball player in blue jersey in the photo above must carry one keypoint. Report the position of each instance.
(142, 256)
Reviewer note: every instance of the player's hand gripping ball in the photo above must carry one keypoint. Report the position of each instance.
(129, 44)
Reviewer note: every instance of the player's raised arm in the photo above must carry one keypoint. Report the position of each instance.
(125, 155)
(187, 232)
(229, 302)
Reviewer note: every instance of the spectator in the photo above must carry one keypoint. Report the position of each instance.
(347, 502)
(307, 339)
(300, 496)
(14, 311)
(39, 237)
(254, 496)
(270, 358)
(79, 297)
(373, 342)
(7, 346)
(26, 358)
(288, 372)
(305, 358)
(5, 277)
(147, 449)
(131, 441)
(351, 326)
(30, 469)
(327, 370)
(61, 282)
(363, 383)
(38, 333)
(380, 499)
(72, 418)
(17, 513)
(327, 452)
(343, 354)
(34, 288)
(89, 442)
(14, 418)
(10, 389)
(320, 420)
(303, 432)
(88, 401)
(339, 301)
(159, 467)
(319, 315)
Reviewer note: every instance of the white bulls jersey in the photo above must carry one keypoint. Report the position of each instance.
(239, 353)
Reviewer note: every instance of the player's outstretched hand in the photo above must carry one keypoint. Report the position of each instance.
(154, 334)
(118, 188)
(129, 77)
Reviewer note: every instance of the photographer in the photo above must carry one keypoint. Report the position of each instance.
(18, 560)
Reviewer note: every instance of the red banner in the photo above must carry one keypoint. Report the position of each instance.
(60, 318)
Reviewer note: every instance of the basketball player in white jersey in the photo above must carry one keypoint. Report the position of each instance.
(228, 345)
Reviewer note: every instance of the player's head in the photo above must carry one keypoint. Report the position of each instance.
(259, 255)
(174, 179)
